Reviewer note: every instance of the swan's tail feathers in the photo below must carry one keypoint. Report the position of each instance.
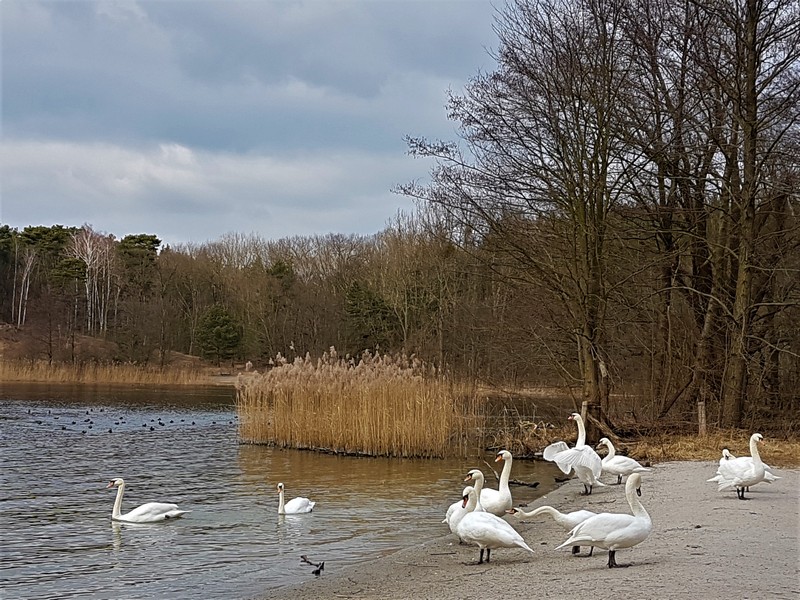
(575, 541)
(725, 484)
(599, 483)
(526, 547)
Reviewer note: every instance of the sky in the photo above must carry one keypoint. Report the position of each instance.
(192, 119)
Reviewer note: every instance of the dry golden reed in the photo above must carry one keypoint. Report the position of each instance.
(380, 405)
(42, 371)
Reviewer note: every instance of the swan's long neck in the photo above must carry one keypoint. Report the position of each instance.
(281, 509)
(611, 450)
(546, 509)
(115, 513)
(505, 474)
(473, 502)
(633, 500)
(581, 432)
(478, 485)
(754, 450)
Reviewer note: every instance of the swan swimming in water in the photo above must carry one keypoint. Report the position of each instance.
(486, 530)
(151, 512)
(741, 473)
(294, 506)
(615, 464)
(567, 520)
(582, 458)
(615, 531)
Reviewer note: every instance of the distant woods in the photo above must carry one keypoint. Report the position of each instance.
(619, 216)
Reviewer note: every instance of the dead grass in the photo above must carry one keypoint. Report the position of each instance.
(379, 405)
(41, 371)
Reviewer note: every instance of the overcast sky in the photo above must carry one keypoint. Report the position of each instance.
(191, 119)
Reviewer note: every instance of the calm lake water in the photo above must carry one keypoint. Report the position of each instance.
(60, 446)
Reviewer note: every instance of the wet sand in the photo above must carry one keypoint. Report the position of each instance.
(704, 545)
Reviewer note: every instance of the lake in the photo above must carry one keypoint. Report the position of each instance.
(61, 444)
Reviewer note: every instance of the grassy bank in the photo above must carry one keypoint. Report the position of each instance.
(42, 371)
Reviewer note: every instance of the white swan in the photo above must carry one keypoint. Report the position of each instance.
(295, 505)
(499, 501)
(567, 520)
(741, 473)
(151, 512)
(618, 465)
(457, 510)
(614, 531)
(582, 458)
(769, 476)
(486, 530)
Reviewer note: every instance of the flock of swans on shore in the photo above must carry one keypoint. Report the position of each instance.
(476, 517)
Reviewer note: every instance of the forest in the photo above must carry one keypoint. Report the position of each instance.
(618, 218)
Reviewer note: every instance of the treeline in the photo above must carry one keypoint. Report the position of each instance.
(619, 217)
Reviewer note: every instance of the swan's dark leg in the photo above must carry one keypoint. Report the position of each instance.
(587, 489)
(480, 561)
(576, 549)
(591, 549)
(619, 479)
(611, 560)
(488, 554)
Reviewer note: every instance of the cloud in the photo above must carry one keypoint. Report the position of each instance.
(171, 190)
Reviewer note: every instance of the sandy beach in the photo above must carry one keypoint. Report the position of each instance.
(704, 545)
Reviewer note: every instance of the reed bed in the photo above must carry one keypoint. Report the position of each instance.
(378, 405)
(91, 372)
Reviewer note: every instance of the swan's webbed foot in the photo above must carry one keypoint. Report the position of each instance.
(587, 490)
(740, 494)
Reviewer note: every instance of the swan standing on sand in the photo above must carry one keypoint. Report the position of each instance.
(486, 530)
(582, 458)
(615, 531)
(151, 512)
(294, 506)
(769, 476)
(457, 510)
(499, 501)
(567, 520)
(620, 466)
(741, 473)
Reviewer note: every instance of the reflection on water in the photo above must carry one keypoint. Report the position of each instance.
(62, 444)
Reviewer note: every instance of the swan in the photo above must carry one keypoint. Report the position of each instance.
(614, 531)
(457, 510)
(294, 506)
(486, 530)
(741, 473)
(567, 520)
(618, 465)
(769, 476)
(498, 501)
(582, 458)
(151, 512)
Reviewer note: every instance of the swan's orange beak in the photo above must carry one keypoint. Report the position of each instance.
(499, 458)
(464, 501)
(110, 484)
(511, 511)
(468, 478)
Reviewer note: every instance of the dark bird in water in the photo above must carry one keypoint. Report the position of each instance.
(319, 566)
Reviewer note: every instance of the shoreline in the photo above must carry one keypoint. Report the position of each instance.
(704, 545)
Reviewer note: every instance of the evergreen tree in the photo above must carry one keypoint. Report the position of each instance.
(218, 334)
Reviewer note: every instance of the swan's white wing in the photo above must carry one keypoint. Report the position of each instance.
(495, 502)
(583, 456)
(299, 505)
(622, 465)
(554, 449)
(152, 512)
(597, 528)
(573, 519)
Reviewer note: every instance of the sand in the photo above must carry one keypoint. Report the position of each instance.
(704, 545)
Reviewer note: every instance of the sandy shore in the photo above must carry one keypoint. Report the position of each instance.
(705, 545)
